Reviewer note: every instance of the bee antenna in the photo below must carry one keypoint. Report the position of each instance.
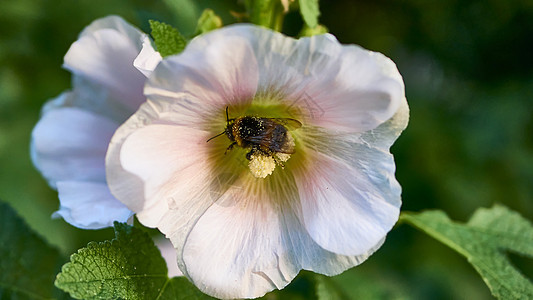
(216, 136)
(223, 132)
(227, 115)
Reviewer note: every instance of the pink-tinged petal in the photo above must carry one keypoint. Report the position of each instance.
(343, 212)
(70, 144)
(105, 56)
(89, 205)
(349, 196)
(343, 88)
(237, 236)
(236, 250)
(217, 69)
(250, 242)
(218, 235)
(127, 187)
(148, 58)
(158, 155)
(356, 92)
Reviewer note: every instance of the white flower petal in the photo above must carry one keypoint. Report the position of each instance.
(249, 243)
(349, 196)
(70, 144)
(342, 211)
(114, 22)
(158, 156)
(92, 97)
(105, 55)
(234, 269)
(89, 205)
(367, 91)
(148, 59)
(70, 141)
(237, 250)
(217, 69)
(127, 187)
(239, 236)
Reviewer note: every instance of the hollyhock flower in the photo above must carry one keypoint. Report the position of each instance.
(309, 183)
(70, 140)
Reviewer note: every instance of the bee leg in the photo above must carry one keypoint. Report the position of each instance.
(278, 162)
(249, 154)
(230, 147)
(253, 151)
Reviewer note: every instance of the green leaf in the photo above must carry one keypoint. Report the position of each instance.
(208, 21)
(129, 267)
(484, 241)
(28, 264)
(168, 40)
(310, 12)
(359, 283)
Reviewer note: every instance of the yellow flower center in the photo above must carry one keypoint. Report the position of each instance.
(262, 135)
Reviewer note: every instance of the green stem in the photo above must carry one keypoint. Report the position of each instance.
(267, 13)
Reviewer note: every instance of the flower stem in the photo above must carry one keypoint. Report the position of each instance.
(267, 13)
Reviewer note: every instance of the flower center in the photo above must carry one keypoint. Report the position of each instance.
(265, 138)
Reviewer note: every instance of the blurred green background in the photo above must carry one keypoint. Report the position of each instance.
(468, 71)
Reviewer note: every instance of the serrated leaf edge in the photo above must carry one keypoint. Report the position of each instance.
(408, 218)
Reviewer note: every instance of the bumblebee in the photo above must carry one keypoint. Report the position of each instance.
(263, 136)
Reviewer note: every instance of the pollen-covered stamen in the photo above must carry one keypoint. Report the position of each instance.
(261, 165)
(282, 157)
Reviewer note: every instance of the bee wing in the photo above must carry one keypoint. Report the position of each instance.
(275, 134)
(287, 144)
(286, 148)
(259, 137)
(290, 124)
